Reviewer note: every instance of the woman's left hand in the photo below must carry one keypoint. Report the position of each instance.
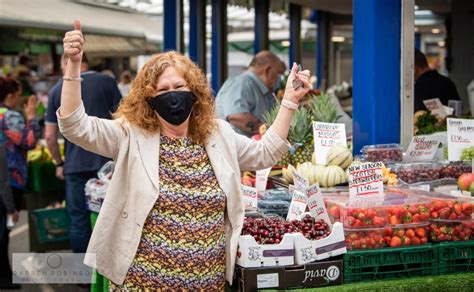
(295, 94)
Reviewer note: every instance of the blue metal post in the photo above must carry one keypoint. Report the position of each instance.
(321, 45)
(173, 25)
(197, 32)
(376, 72)
(295, 34)
(261, 42)
(219, 44)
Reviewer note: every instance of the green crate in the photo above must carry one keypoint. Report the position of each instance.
(456, 257)
(390, 263)
(51, 225)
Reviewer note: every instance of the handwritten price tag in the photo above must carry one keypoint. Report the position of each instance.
(365, 181)
(250, 196)
(460, 136)
(297, 206)
(422, 148)
(261, 178)
(316, 205)
(301, 182)
(435, 106)
(327, 135)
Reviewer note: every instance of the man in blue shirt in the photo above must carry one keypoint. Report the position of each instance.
(244, 99)
(101, 97)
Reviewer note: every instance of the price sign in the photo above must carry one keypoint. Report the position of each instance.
(250, 196)
(435, 106)
(327, 135)
(297, 206)
(301, 182)
(422, 148)
(365, 181)
(261, 178)
(460, 136)
(316, 204)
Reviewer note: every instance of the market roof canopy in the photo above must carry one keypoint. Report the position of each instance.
(60, 14)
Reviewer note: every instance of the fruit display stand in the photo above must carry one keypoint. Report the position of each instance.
(43, 188)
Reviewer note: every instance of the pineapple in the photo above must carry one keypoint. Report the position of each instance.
(300, 136)
(268, 118)
(323, 110)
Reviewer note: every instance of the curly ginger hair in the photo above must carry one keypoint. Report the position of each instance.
(135, 108)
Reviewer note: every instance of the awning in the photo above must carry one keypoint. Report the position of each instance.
(60, 14)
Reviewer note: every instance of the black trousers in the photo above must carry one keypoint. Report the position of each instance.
(5, 269)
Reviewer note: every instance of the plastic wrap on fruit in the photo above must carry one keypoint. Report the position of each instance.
(106, 171)
(96, 188)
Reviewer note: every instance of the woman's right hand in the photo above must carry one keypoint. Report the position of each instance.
(73, 43)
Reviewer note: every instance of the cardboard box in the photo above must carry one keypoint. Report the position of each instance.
(252, 254)
(317, 274)
(307, 251)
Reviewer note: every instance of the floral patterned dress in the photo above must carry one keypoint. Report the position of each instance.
(183, 239)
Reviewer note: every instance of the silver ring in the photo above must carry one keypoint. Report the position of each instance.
(71, 45)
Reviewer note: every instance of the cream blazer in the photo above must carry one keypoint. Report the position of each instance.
(134, 187)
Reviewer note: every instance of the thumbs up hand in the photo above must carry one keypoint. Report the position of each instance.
(73, 43)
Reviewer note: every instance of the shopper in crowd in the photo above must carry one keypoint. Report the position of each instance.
(25, 75)
(430, 84)
(244, 99)
(100, 96)
(7, 208)
(173, 211)
(125, 82)
(17, 136)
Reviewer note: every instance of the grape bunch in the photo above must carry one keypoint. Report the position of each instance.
(271, 230)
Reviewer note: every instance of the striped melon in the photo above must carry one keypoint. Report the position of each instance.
(332, 175)
(339, 155)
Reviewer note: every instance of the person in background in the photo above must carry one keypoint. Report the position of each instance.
(125, 82)
(174, 208)
(17, 136)
(430, 84)
(101, 97)
(244, 99)
(7, 208)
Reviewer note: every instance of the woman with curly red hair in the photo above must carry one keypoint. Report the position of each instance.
(173, 212)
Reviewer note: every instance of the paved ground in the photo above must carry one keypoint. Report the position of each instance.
(19, 243)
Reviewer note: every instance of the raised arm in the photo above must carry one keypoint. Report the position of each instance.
(265, 153)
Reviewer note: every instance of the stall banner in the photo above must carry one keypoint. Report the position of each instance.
(250, 196)
(261, 178)
(316, 205)
(460, 136)
(422, 148)
(327, 135)
(365, 183)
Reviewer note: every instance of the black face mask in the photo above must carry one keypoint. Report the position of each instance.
(173, 106)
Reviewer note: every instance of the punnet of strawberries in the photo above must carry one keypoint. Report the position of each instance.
(409, 214)
(368, 217)
(270, 230)
(451, 209)
(386, 237)
(451, 231)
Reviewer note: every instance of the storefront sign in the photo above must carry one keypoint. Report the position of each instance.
(327, 135)
(365, 182)
(460, 136)
(422, 148)
(261, 178)
(250, 196)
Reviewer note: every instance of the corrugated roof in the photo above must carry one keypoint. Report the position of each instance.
(60, 14)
